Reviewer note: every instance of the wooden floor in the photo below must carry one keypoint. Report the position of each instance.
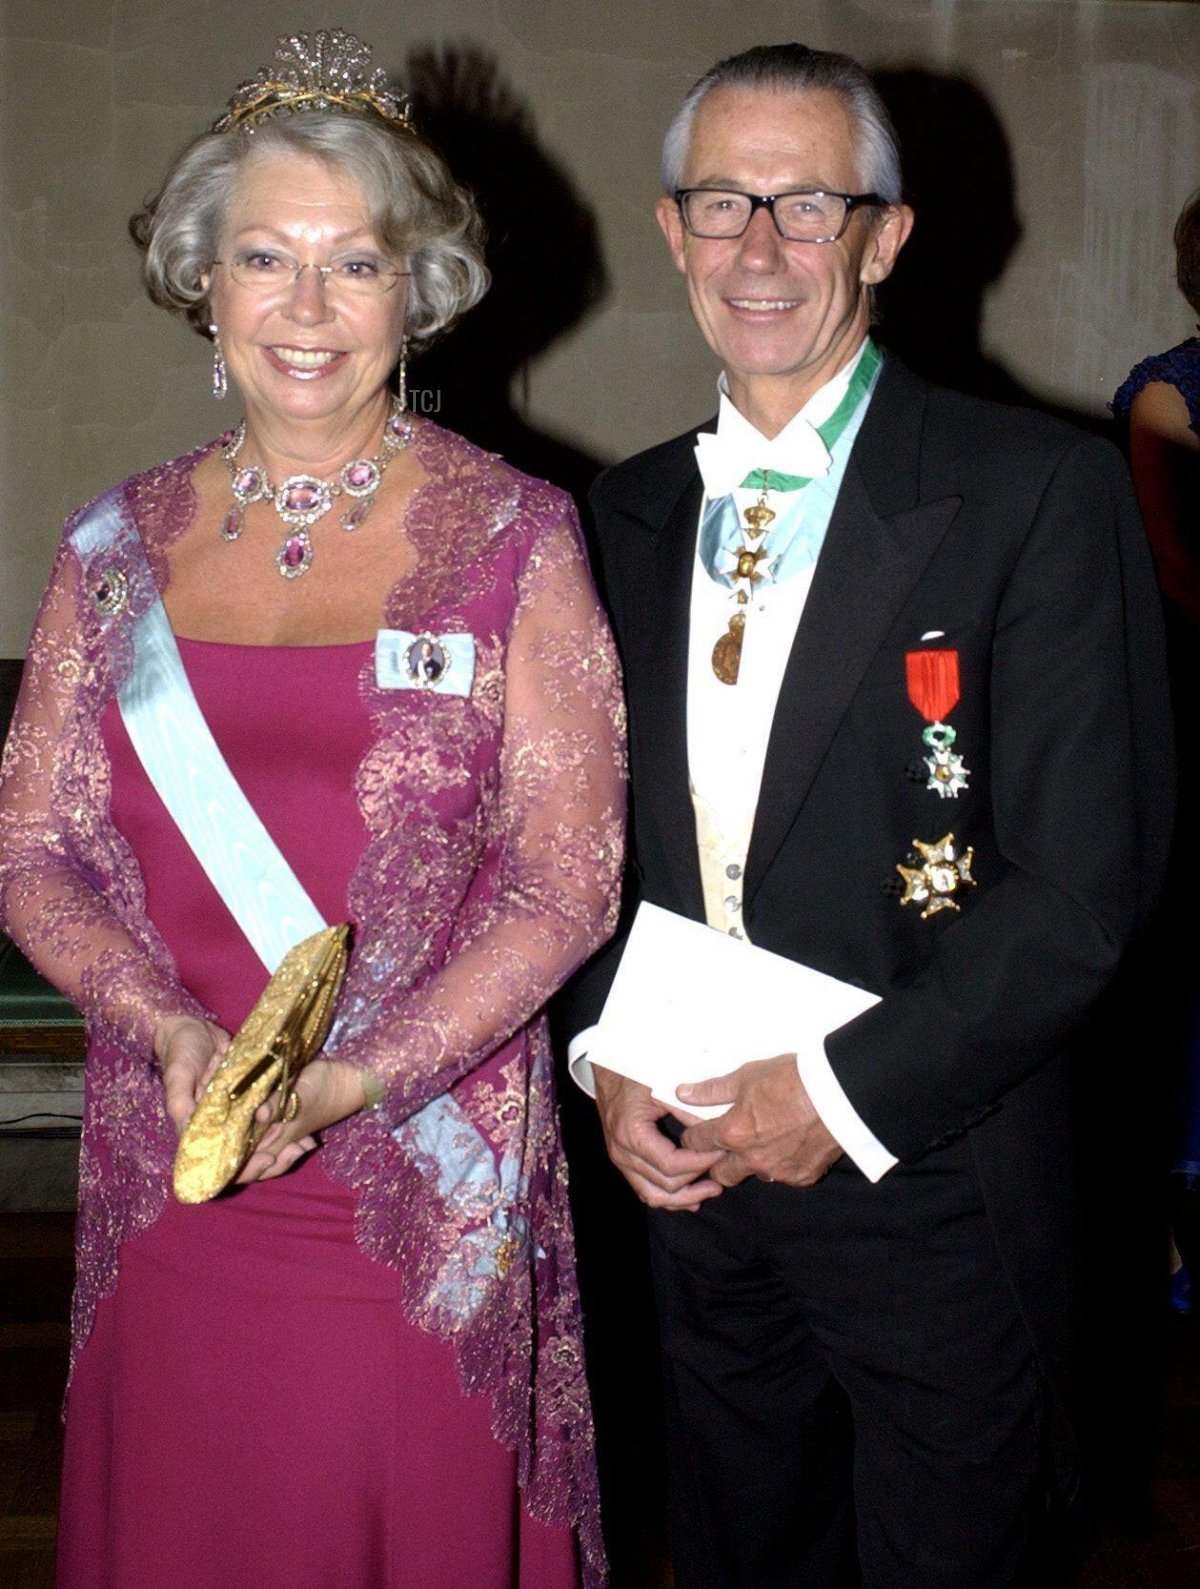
(35, 1283)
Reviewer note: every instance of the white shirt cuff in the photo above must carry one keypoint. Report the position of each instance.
(578, 1064)
(838, 1114)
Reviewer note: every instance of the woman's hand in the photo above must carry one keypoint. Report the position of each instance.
(327, 1091)
(189, 1051)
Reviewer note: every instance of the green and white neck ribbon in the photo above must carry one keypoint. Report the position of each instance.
(802, 508)
(860, 384)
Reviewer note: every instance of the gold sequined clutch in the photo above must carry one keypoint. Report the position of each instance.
(283, 1031)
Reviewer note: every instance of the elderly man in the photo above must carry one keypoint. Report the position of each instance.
(897, 712)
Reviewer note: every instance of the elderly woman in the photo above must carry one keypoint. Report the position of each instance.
(371, 659)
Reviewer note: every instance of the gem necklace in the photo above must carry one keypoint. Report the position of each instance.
(304, 498)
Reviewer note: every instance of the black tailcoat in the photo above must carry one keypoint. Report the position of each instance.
(1015, 540)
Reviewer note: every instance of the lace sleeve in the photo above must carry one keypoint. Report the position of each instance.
(562, 806)
(66, 891)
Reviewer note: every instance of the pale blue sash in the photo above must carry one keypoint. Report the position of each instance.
(100, 528)
(192, 778)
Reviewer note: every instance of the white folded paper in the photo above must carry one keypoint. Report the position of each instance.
(689, 1002)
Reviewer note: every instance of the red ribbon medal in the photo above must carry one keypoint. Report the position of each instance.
(933, 689)
(932, 683)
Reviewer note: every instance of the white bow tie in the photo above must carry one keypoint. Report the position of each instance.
(724, 461)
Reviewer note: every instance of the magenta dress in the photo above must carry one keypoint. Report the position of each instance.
(251, 1407)
(369, 1372)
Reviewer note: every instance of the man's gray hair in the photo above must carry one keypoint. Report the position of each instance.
(416, 208)
(794, 68)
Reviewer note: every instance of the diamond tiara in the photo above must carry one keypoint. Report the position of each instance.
(329, 70)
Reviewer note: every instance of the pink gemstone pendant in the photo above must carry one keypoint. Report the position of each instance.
(302, 499)
(360, 478)
(295, 556)
(232, 524)
(397, 432)
(356, 515)
(249, 485)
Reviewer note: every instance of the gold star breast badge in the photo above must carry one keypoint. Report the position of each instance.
(935, 884)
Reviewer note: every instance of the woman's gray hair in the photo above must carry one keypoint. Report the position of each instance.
(417, 210)
(794, 68)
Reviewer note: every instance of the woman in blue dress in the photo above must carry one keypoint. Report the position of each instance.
(1159, 404)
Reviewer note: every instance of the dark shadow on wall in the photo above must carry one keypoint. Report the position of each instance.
(542, 249)
(959, 178)
(547, 276)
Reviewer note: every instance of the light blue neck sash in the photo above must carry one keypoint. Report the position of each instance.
(804, 509)
(791, 544)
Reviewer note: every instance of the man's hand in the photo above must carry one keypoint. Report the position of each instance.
(662, 1175)
(771, 1131)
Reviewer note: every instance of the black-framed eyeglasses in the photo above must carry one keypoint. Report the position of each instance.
(806, 215)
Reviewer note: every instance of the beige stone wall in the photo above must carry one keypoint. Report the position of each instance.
(1095, 104)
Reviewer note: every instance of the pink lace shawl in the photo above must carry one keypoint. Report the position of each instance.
(491, 872)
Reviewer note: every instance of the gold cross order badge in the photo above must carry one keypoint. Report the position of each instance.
(748, 559)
